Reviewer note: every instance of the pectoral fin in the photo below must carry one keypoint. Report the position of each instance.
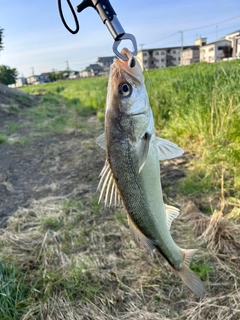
(140, 239)
(108, 191)
(143, 148)
(171, 213)
(167, 149)
(101, 141)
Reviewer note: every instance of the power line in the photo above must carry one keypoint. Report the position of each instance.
(213, 24)
(192, 29)
(166, 37)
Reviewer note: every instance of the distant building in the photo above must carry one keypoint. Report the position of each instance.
(215, 51)
(234, 37)
(34, 79)
(92, 70)
(105, 62)
(192, 53)
(38, 79)
(74, 75)
(20, 82)
(160, 57)
(44, 76)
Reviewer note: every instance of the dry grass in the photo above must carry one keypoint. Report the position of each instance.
(81, 263)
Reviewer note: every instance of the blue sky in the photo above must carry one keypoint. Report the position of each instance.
(34, 36)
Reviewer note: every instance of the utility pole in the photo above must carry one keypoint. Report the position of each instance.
(67, 64)
(32, 71)
(181, 46)
(216, 32)
(181, 40)
(141, 46)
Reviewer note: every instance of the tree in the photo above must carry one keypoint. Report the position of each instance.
(1, 39)
(227, 51)
(8, 75)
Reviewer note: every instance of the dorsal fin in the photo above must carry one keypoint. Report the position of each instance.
(171, 213)
(108, 191)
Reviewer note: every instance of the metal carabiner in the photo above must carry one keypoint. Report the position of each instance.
(116, 43)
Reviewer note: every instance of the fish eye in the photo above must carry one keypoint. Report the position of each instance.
(124, 89)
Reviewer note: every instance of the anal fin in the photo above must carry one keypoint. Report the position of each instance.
(140, 239)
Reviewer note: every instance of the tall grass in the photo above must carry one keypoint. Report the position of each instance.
(13, 292)
(198, 107)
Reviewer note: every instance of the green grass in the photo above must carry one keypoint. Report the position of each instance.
(89, 93)
(3, 138)
(198, 107)
(48, 267)
(14, 291)
(53, 114)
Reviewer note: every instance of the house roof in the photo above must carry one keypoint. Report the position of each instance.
(94, 66)
(167, 48)
(106, 59)
(220, 40)
(237, 31)
(191, 47)
(73, 73)
(33, 76)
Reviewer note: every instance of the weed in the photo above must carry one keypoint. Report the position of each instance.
(52, 223)
(72, 206)
(13, 108)
(13, 292)
(3, 139)
(12, 127)
(100, 116)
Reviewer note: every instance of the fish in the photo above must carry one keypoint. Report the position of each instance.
(131, 174)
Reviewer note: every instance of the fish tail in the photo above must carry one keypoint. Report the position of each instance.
(188, 276)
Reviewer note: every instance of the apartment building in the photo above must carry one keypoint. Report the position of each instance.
(190, 55)
(159, 57)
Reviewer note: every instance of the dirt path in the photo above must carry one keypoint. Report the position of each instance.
(65, 165)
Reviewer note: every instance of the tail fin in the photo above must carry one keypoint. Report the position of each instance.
(188, 276)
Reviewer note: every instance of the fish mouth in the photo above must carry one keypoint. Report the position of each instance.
(131, 60)
(130, 66)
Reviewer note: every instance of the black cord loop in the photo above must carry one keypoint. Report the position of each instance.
(74, 16)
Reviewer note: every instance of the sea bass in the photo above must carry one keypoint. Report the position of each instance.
(131, 174)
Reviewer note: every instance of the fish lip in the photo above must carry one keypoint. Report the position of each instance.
(123, 66)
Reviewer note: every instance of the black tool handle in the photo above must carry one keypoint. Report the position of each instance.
(107, 15)
(109, 18)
